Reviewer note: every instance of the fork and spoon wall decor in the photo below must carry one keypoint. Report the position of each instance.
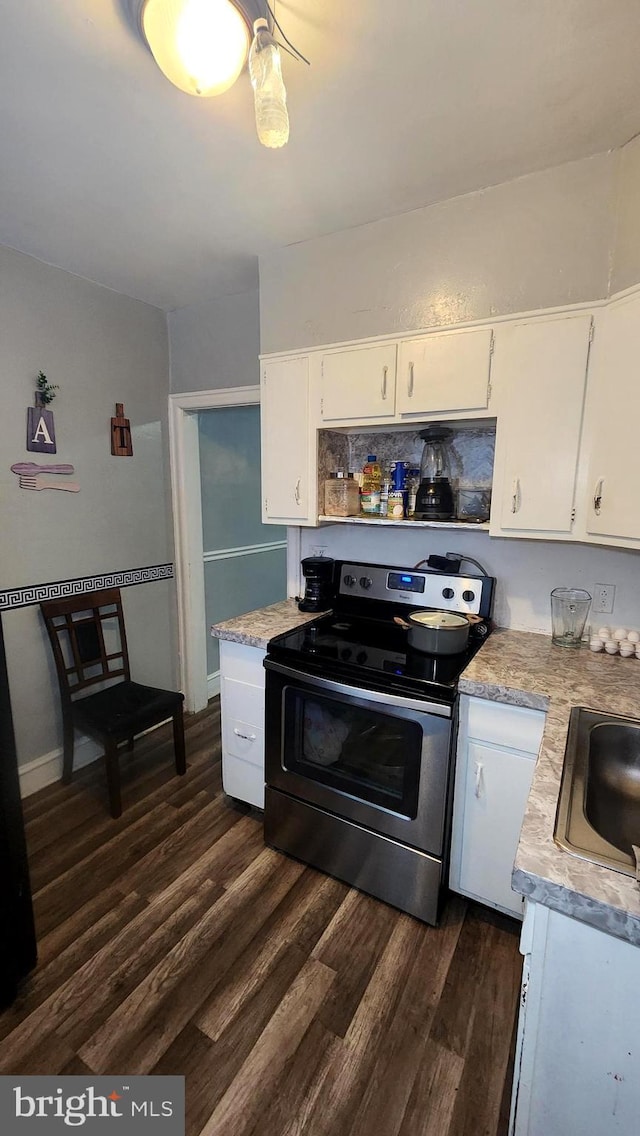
(34, 476)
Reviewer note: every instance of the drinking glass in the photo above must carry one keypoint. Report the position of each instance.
(569, 611)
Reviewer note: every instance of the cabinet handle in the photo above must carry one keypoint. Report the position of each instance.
(479, 779)
(384, 382)
(410, 383)
(247, 737)
(515, 496)
(597, 497)
(297, 492)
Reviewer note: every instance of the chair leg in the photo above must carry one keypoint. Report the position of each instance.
(178, 741)
(113, 779)
(67, 753)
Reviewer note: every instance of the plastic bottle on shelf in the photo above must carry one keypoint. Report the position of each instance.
(412, 483)
(384, 488)
(371, 486)
(272, 118)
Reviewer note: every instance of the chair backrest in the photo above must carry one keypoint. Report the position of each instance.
(88, 638)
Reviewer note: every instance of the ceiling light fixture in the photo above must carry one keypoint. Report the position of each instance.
(201, 46)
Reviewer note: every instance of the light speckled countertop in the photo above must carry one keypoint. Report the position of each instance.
(524, 669)
(527, 670)
(256, 628)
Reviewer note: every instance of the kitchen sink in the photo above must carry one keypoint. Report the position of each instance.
(598, 815)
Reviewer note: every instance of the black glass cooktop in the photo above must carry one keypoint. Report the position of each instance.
(372, 653)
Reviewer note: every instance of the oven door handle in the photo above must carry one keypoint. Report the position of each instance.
(326, 684)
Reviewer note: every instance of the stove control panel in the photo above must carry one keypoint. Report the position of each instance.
(417, 589)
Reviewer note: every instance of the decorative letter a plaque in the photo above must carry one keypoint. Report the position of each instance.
(41, 434)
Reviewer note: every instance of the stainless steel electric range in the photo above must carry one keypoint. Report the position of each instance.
(359, 730)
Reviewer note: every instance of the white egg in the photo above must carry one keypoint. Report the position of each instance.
(596, 645)
(634, 636)
(638, 652)
(627, 649)
(604, 633)
(619, 634)
(611, 647)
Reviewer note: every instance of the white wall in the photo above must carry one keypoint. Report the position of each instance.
(625, 260)
(526, 570)
(101, 348)
(215, 344)
(540, 241)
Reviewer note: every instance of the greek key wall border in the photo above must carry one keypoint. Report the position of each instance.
(24, 597)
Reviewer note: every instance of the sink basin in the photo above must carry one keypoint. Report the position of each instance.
(598, 815)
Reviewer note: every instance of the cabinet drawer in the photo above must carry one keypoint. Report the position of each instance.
(513, 726)
(243, 781)
(242, 700)
(238, 661)
(243, 740)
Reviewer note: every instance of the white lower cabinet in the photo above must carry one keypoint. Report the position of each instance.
(242, 712)
(496, 754)
(576, 1068)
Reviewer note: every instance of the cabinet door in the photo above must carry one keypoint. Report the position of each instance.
(445, 372)
(613, 419)
(285, 440)
(540, 371)
(495, 796)
(359, 383)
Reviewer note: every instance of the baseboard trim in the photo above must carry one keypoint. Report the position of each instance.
(213, 684)
(45, 770)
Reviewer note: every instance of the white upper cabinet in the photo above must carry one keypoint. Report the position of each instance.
(444, 372)
(539, 375)
(612, 426)
(358, 383)
(284, 405)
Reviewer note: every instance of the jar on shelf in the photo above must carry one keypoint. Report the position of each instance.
(341, 495)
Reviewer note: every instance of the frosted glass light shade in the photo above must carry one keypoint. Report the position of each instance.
(200, 45)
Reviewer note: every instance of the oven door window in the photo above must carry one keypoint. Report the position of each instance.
(368, 753)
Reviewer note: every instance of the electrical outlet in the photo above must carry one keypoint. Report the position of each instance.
(318, 549)
(603, 598)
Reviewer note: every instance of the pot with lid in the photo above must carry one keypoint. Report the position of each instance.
(436, 632)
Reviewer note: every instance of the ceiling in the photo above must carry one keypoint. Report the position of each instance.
(112, 173)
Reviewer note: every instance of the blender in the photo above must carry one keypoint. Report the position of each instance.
(434, 499)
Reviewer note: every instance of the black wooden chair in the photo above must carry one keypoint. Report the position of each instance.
(89, 644)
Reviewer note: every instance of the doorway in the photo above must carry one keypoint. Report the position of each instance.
(240, 545)
(245, 563)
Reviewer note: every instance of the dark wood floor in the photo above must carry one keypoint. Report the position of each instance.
(173, 941)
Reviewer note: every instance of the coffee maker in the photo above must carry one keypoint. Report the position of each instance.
(319, 590)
